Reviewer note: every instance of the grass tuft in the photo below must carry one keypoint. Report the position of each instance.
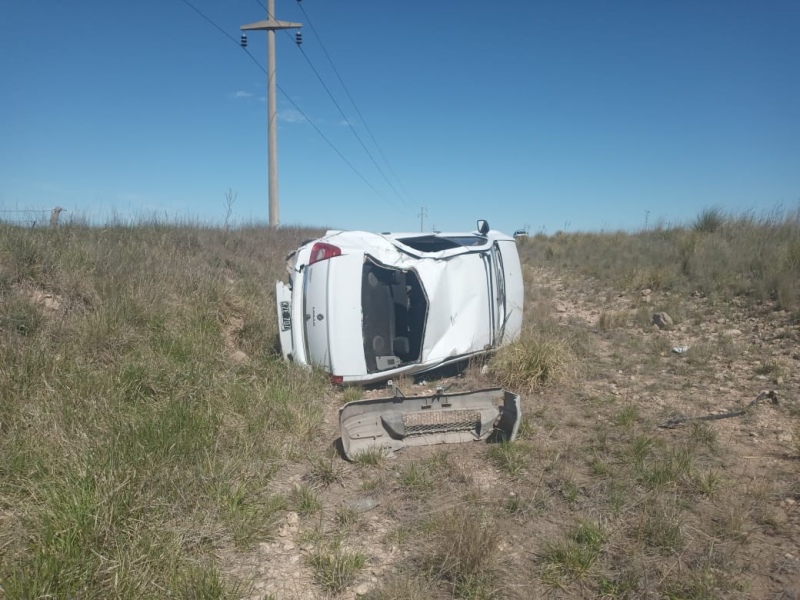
(709, 220)
(573, 557)
(510, 457)
(537, 358)
(336, 568)
(463, 553)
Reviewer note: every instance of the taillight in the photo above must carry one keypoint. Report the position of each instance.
(322, 251)
(337, 379)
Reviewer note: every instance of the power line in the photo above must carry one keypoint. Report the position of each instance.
(339, 108)
(347, 91)
(292, 102)
(355, 133)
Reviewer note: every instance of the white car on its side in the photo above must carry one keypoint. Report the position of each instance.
(367, 307)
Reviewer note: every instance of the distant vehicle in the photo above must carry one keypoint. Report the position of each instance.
(520, 233)
(367, 307)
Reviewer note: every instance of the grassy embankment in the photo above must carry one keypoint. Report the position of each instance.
(145, 418)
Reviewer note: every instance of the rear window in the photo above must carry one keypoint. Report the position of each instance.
(435, 243)
(394, 309)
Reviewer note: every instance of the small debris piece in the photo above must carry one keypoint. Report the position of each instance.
(680, 349)
(365, 504)
(675, 421)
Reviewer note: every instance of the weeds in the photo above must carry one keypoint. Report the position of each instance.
(325, 471)
(509, 457)
(709, 220)
(463, 553)
(336, 568)
(627, 416)
(574, 556)
(135, 452)
(305, 500)
(537, 358)
(371, 457)
(660, 525)
(417, 478)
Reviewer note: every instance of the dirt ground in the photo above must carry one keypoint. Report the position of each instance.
(749, 531)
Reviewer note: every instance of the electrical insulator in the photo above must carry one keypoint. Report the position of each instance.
(244, 41)
(298, 37)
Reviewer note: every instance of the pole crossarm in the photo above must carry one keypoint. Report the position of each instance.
(270, 25)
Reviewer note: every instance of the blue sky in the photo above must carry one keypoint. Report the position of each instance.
(576, 115)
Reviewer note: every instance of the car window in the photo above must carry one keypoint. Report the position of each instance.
(435, 243)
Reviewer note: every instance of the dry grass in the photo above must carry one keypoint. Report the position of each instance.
(540, 357)
(131, 444)
(718, 254)
(138, 459)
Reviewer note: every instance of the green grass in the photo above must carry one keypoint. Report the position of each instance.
(510, 457)
(139, 459)
(539, 357)
(131, 445)
(718, 254)
(462, 554)
(574, 556)
(336, 568)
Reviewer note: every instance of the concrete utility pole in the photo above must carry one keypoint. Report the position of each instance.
(422, 214)
(270, 25)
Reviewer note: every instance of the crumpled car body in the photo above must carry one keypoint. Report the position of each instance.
(368, 307)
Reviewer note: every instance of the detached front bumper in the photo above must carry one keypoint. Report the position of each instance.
(390, 424)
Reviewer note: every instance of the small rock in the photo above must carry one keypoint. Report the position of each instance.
(561, 307)
(785, 436)
(753, 434)
(362, 589)
(288, 546)
(779, 380)
(761, 377)
(292, 518)
(790, 501)
(662, 320)
(264, 548)
(731, 332)
(646, 292)
(307, 547)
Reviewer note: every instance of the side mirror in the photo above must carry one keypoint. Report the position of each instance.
(483, 227)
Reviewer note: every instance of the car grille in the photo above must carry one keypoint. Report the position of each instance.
(440, 421)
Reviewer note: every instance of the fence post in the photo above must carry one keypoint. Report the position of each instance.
(54, 216)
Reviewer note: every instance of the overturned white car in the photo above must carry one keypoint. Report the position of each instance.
(367, 307)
